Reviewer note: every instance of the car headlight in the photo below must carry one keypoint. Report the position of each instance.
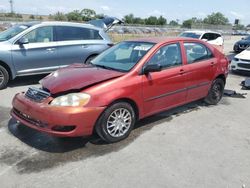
(72, 99)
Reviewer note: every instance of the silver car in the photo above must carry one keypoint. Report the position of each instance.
(42, 47)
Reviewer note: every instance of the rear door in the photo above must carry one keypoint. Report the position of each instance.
(76, 44)
(39, 55)
(201, 65)
(167, 88)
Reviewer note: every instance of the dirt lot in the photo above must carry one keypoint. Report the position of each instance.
(191, 146)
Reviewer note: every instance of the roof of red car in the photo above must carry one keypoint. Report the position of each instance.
(161, 39)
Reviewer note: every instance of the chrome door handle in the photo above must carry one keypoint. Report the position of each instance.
(85, 46)
(50, 49)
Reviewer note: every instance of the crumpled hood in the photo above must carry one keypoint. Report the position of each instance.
(76, 77)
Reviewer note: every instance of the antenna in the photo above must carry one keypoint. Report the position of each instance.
(11, 6)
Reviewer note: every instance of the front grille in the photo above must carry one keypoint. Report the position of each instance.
(27, 118)
(242, 65)
(244, 46)
(246, 60)
(36, 94)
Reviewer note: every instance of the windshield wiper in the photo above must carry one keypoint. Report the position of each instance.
(107, 67)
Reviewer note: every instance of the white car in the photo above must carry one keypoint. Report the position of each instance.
(211, 37)
(241, 61)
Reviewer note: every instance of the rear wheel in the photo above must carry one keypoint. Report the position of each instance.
(216, 92)
(4, 77)
(116, 122)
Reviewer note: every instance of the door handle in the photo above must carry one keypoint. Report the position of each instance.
(50, 50)
(182, 71)
(212, 64)
(85, 46)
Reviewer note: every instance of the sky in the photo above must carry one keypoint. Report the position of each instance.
(170, 9)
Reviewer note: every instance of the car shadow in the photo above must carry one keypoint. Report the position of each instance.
(52, 151)
(48, 143)
(26, 80)
(241, 73)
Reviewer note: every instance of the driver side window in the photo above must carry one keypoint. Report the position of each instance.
(167, 56)
(42, 34)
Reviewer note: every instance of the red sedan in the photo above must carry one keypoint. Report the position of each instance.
(130, 81)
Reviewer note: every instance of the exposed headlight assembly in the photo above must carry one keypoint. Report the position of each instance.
(72, 99)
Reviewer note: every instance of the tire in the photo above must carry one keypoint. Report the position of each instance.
(116, 122)
(216, 92)
(4, 77)
(90, 59)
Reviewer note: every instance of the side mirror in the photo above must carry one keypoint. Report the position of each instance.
(23, 41)
(152, 68)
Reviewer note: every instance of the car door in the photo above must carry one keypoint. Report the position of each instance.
(76, 44)
(167, 88)
(38, 54)
(201, 65)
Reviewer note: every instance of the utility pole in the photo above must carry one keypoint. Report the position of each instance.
(11, 6)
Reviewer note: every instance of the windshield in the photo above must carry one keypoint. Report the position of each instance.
(190, 35)
(11, 32)
(123, 56)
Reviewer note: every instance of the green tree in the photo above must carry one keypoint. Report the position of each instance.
(74, 16)
(32, 17)
(216, 19)
(187, 23)
(138, 20)
(129, 19)
(152, 20)
(173, 23)
(161, 21)
(59, 16)
(88, 14)
(100, 16)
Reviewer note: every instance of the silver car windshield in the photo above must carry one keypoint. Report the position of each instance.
(123, 56)
(11, 32)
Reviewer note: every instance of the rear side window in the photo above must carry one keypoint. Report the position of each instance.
(167, 56)
(197, 52)
(66, 33)
(210, 36)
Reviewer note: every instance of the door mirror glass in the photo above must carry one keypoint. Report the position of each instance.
(23, 41)
(152, 68)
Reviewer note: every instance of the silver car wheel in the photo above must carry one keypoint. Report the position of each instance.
(119, 122)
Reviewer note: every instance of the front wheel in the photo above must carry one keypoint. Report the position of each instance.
(216, 92)
(4, 77)
(116, 122)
